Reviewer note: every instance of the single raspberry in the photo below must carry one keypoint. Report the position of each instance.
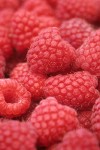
(14, 4)
(88, 55)
(38, 7)
(95, 118)
(13, 136)
(33, 82)
(77, 90)
(5, 42)
(49, 53)
(5, 17)
(80, 139)
(14, 98)
(52, 120)
(2, 64)
(75, 31)
(85, 119)
(87, 9)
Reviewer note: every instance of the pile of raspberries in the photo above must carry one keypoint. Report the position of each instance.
(49, 74)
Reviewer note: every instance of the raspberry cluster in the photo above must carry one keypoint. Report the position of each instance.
(49, 74)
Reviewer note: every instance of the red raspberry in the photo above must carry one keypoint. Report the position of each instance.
(86, 9)
(76, 90)
(38, 7)
(95, 118)
(5, 42)
(2, 64)
(75, 31)
(14, 98)
(5, 17)
(49, 53)
(53, 3)
(13, 136)
(14, 4)
(52, 120)
(80, 139)
(85, 119)
(32, 82)
(88, 55)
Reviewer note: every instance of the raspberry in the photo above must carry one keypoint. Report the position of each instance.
(52, 120)
(13, 136)
(14, 4)
(41, 8)
(5, 42)
(2, 64)
(95, 118)
(76, 90)
(53, 3)
(32, 82)
(5, 17)
(88, 55)
(14, 98)
(87, 9)
(80, 139)
(85, 119)
(75, 31)
(49, 53)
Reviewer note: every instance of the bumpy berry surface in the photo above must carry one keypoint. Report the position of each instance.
(85, 119)
(49, 53)
(80, 139)
(87, 9)
(53, 3)
(14, 4)
(77, 90)
(95, 118)
(5, 17)
(2, 64)
(52, 120)
(5, 42)
(88, 55)
(38, 7)
(33, 82)
(14, 98)
(75, 31)
(13, 136)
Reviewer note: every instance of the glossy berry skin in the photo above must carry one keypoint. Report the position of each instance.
(13, 136)
(85, 119)
(77, 90)
(38, 7)
(80, 139)
(5, 43)
(2, 64)
(49, 53)
(95, 118)
(14, 98)
(87, 9)
(52, 120)
(33, 82)
(13, 4)
(88, 55)
(75, 31)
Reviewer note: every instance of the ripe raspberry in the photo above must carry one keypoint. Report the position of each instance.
(2, 64)
(13, 136)
(5, 42)
(38, 7)
(53, 3)
(52, 120)
(86, 9)
(76, 90)
(33, 82)
(85, 119)
(88, 55)
(80, 139)
(75, 31)
(49, 53)
(14, 4)
(95, 118)
(14, 98)
(5, 17)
